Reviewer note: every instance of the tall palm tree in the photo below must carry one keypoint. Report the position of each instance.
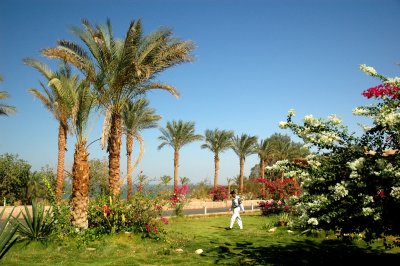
(177, 134)
(217, 141)
(80, 169)
(59, 99)
(263, 149)
(243, 146)
(136, 117)
(120, 70)
(4, 108)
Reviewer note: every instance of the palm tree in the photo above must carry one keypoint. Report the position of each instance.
(184, 180)
(136, 116)
(217, 141)
(59, 99)
(263, 149)
(80, 169)
(5, 109)
(243, 146)
(120, 70)
(177, 134)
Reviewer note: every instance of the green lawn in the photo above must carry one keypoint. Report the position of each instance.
(253, 245)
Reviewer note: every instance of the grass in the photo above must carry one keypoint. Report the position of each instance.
(254, 245)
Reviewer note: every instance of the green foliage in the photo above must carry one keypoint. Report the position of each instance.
(14, 177)
(37, 226)
(8, 228)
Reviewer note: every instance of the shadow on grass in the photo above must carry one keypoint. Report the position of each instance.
(329, 252)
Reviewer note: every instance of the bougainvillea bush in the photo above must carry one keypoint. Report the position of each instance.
(279, 193)
(220, 194)
(179, 199)
(351, 184)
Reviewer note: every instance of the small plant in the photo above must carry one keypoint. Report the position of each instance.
(39, 226)
(8, 228)
(283, 219)
(178, 200)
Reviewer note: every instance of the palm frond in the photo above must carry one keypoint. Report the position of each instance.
(45, 99)
(39, 66)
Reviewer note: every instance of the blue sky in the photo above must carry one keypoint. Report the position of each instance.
(254, 61)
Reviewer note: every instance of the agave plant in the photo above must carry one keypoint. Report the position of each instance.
(8, 228)
(38, 226)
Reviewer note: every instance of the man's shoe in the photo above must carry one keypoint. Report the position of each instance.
(228, 228)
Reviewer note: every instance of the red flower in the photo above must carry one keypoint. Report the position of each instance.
(106, 210)
(381, 193)
(381, 90)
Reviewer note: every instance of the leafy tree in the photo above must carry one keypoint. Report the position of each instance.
(14, 177)
(58, 99)
(217, 141)
(136, 117)
(4, 108)
(243, 146)
(36, 188)
(178, 134)
(98, 178)
(119, 70)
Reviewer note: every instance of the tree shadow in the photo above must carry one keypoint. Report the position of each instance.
(329, 252)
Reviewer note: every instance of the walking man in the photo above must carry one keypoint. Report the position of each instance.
(237, 205)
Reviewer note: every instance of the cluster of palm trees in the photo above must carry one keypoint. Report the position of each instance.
(277, 147)
(116, 74)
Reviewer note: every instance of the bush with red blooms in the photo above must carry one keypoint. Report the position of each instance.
(220, 194)
(179, 199)
(278, 192)
(280, 189)
(273, 207)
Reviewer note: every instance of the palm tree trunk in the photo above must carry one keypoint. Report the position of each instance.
(80, 186)
(262, 172)
(176, 166)
(114, 149)
(62, 142)
(241, 175)
(129, 145)
(216, 167)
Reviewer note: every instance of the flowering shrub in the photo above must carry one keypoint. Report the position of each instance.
(273, 207)
(141, 214)
(220, 194)
(179, 199)
(351, 185)
(280, 189)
